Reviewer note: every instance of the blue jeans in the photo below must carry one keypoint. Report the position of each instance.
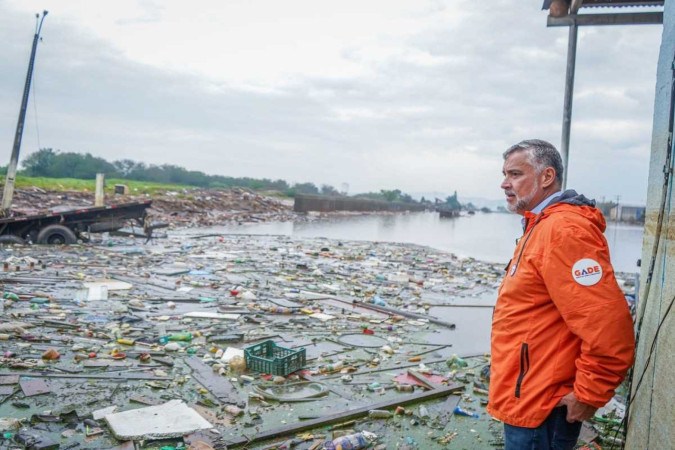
(554, 434)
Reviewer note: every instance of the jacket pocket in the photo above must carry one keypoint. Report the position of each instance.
(524, 366)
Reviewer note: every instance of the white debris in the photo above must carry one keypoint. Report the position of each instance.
(169, 420)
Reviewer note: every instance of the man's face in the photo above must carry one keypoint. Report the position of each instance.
(521, 183)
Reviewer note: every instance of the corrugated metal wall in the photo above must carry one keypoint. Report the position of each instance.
(652, 413)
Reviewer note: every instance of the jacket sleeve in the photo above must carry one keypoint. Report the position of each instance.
(581, 282)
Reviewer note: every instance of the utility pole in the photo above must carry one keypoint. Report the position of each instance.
(8, 192)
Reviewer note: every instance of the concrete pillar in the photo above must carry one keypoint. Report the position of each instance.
(100, 194)
(652, 408)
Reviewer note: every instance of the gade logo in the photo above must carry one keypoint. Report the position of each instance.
(587, 272)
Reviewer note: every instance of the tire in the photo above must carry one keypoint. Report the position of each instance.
(56, 235)
(11, 239)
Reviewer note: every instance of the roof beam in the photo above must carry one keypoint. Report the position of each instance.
(643, 18)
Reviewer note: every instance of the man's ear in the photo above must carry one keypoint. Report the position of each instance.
(548, 177)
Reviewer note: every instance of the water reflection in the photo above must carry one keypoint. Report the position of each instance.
(484, 236)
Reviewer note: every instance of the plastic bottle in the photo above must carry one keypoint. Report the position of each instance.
(333, 367)
(460, 412)
(376, 300)
(379, 414)
(456, 362)
(180, 337)
(350, 442)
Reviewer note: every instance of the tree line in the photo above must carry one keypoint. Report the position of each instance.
(50, 163)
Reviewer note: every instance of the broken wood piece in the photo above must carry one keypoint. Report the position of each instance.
(426, 381)
(220, 387)
(33, 386)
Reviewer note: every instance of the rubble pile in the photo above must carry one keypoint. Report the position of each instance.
(189, 208)
(217, 207)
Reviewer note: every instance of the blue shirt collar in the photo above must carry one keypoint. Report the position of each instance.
(537, 209)
(544, 203)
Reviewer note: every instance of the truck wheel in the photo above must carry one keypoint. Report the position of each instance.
(11, 239)
(56, 235)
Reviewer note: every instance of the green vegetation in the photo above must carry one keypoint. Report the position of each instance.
(388, 196)
(74, 184)
(56, 164)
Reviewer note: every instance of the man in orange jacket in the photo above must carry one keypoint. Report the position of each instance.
(562, 335)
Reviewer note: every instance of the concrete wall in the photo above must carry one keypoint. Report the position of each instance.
(651, 424)
(306, 203)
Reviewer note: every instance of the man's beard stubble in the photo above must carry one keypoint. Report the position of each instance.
(521, 204)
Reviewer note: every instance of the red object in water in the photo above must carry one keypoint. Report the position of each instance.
(368, 331)
(92, 355)
(234, 292)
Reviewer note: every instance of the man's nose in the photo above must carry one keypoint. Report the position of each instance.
(505, 184)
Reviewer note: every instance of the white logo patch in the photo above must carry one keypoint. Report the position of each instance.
(587, 272)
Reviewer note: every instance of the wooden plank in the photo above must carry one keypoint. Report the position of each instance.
(31, 387)
(110, 376)
(9, 379)
(217, 385)
(424, 380)
(345, 415)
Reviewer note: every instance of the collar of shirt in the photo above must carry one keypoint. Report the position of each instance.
(537, 209)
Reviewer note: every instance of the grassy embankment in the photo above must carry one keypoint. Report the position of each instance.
(73, 184)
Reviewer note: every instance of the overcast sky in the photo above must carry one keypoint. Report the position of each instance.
(418, 95)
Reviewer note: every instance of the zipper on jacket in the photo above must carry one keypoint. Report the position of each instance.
(524, 366)
(522, 249)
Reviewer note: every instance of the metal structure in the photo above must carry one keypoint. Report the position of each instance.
(66, 227)
(574, 20)
(8, 192)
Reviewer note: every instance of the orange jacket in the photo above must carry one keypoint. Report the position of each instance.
(561, 322)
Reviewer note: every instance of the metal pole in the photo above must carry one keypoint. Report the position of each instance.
(569, 91)
(8, 192)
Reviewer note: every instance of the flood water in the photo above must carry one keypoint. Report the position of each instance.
(484, 236)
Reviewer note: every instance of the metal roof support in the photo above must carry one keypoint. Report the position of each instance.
(644, 18)
(573, 21)
(569, 93)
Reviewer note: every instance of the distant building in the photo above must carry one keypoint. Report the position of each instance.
(627, 213)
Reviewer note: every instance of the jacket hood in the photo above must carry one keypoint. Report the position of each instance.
(571, 201)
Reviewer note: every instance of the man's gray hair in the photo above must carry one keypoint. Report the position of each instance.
(541, 155)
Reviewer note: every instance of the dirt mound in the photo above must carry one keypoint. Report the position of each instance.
(192, 208)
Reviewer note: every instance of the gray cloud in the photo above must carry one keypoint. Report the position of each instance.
(431, 112)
